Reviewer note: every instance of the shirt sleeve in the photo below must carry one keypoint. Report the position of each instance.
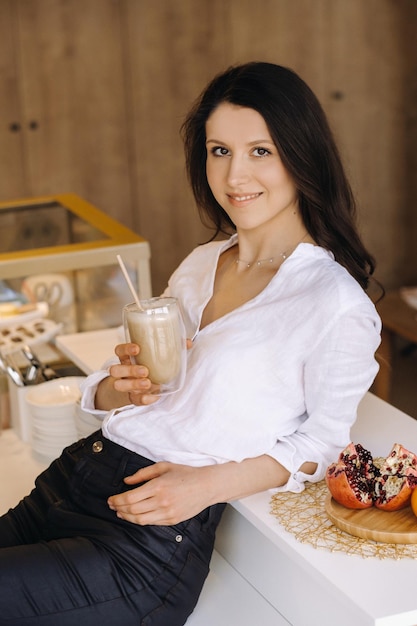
(89, 388)
(337, 373)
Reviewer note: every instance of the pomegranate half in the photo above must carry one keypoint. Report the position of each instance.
(396, 481)
(350, 479)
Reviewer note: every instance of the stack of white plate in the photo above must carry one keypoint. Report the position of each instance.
(52, 407)
(85, 423)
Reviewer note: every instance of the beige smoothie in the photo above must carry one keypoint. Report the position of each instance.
(159, 334)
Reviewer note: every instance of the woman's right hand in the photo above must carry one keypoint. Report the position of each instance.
(132, 379)
(127, 383)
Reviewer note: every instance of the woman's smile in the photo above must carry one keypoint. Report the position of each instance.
(239, 199)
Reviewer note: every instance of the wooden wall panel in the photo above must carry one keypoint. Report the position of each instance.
(72, 76)
(408, 32)
(11, 148)
(109, 83)
(287, 32)
(352, 55)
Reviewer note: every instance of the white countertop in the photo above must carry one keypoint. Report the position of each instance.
(375, 592)
(383, 590)
(91, 349)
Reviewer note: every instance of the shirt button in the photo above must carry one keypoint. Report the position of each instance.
(97, 446)
(178, 538)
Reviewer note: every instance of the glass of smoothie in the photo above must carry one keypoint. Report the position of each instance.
(157, 328)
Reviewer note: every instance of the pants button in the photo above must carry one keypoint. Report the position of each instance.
(97, 446)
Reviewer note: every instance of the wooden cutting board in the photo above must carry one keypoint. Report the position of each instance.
(386, 527)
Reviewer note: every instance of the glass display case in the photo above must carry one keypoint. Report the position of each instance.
(63, 250)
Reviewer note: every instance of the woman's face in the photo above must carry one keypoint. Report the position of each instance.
(244, 169)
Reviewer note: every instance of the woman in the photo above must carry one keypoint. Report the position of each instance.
(121, 528)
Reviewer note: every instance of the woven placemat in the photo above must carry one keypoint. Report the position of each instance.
(304, 516)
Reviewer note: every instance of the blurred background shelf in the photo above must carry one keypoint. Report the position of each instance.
(404, 377)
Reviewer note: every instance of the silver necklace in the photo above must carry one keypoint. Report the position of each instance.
(259, 262)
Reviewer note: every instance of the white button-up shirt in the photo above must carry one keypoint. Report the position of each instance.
(280, 375)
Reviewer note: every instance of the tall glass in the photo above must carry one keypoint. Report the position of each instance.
(159, 331)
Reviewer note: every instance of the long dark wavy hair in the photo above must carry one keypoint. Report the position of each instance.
(301, 133)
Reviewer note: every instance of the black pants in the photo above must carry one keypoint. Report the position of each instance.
(66, 559)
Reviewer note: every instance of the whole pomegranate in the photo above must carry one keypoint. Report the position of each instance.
(357, 481)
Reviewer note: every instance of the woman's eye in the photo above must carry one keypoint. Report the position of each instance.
(219, 151)
(261, 152)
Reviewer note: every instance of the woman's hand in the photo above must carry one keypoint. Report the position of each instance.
(132, 379)
(171, 494)
(126, 384)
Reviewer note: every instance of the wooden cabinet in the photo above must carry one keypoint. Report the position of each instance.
(63, 114)
(93, 94)
(11, 149)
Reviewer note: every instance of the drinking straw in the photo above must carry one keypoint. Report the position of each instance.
(129, 282)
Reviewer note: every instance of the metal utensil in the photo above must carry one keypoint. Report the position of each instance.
(12, 371)
(31, 357)
(31, 375)
(45, 371)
